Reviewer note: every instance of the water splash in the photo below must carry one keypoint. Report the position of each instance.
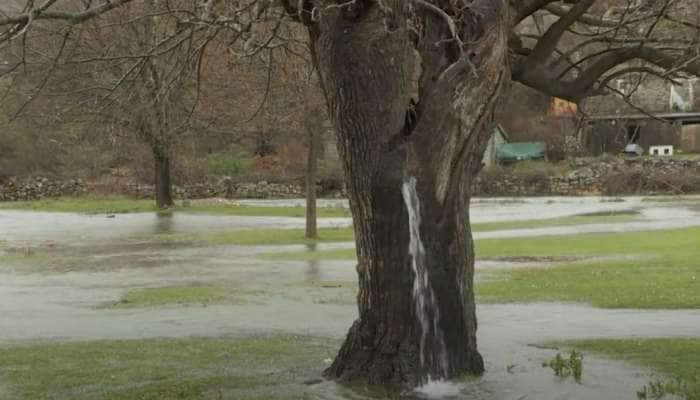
(423, 296)
(439, 389)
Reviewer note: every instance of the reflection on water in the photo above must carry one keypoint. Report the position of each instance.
(164, 223)
(313, 270)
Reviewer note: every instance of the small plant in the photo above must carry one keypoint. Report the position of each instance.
(564, 368)
(228, 163)
(659, 389)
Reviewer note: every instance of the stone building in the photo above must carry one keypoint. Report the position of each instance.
(639, 107)
(646, 109)
(657, 113)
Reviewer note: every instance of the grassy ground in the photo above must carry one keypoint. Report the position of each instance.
(296, 236)
(678, 359)
(672, 283)
(656, 270)
(120, 205)
(666, 276)
(316, 292)
(671, 199)
(256, 237)
(182, 295)
(670, 242)
(585, 219)
(270, 368)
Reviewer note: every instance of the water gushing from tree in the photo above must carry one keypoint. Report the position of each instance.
(432, 358)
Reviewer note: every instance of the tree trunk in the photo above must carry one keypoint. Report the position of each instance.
(311, 172)
(163, 185)
(409, 167)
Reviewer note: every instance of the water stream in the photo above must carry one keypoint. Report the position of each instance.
(423, 296)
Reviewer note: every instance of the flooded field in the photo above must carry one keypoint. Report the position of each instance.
(68, 277)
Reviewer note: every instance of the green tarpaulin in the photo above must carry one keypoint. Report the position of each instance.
(509, 152)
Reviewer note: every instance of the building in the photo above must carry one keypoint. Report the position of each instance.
(611, 133)
(499, 137)
(671, 116)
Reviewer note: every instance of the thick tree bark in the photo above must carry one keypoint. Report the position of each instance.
(409, 166)
(311, 173)
(163, 184)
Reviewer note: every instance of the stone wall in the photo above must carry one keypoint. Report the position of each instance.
(226, 188)
(611, 176)
(38, 188)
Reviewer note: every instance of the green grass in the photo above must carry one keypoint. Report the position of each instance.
(594, 244)
(315, 255)
(675, 357)
(232, 162)
(671, 199)
(316, 292)
(265, 211)
(662, 273)
(21, 259)
(671, 283)
(121, 205)
(666, 277)
(296, 236)
(584, 219)
(270, 368)
(256, 237)
(672, 242)
(84, 205)
(678, 359)
(182, 295)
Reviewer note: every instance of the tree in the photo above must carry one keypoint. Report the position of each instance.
(154, 96)
(313, 139)
(411, 86)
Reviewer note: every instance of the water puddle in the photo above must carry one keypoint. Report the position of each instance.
(310, 298)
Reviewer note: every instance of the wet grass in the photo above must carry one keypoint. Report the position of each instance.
(678, 359)
(13, 258)
(183, 296)
(122, 205)
(270, 368)
(265, 211)
(607, 217)
(296, 236)
(315, 292)
(671, 199)
(329, 292)
(312, 255)
(671, 283)
(667, 277)
(256, 237)
(84, 205)
(662, 272)
(662, 242)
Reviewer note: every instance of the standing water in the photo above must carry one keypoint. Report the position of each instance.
(423, 296)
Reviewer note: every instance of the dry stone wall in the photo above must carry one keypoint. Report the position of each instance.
(616, 176)
(39, 188)
(613, 176)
